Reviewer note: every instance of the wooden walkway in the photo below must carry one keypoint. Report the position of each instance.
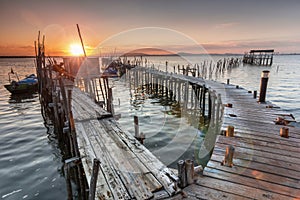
(127, 169)
(265, 165)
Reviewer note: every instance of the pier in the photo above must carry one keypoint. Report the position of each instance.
(259, 57)
(256, 151)
(264, 162)
(254, 147)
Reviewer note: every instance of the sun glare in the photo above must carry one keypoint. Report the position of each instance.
(76, 50)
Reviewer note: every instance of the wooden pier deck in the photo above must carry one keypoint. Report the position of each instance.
(127, 169)
(265, 165)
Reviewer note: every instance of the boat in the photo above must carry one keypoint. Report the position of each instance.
(115, 69)
(27, 85)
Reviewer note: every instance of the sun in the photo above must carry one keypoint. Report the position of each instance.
(76, 50)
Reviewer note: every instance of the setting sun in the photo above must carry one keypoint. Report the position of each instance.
(76, 50)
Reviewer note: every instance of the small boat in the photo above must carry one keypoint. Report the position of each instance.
(26, 85)
(111, 70)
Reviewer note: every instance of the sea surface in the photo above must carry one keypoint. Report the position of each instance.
(31, 162)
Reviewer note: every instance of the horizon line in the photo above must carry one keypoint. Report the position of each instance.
(141, 54)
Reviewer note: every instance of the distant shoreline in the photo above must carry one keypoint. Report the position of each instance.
(180, 54)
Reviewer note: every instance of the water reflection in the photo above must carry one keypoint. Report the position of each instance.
(23, 98)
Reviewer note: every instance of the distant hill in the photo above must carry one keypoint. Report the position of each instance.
(149, 52)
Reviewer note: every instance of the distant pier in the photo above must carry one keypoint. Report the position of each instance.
(259, 57)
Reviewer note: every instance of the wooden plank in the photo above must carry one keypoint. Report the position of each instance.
(264, 154)
(284, 151)
(200, 192)
(165, 176)
(267, 131)
(116, 187)
(126, 156)
(256, 127)
(241, 179)
(224, 185)
(259, 159)
(122, 161)
(266, 137)
(84, 108)
(267, 146)
(259, 171)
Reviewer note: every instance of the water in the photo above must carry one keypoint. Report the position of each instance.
(171, 137)
(31, 163)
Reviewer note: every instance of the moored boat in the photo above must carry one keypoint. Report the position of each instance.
(26, 85)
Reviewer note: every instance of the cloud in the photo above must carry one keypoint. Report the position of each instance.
(226, 25)
(15, 50)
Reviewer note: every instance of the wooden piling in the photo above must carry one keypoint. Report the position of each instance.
(94, 177)
(136, 126)
(230, 131)
(254, 94)
(284, 132)
(68, 181)
(189, 166)
(263, 85)
(110, 101)
(182, 174)
(203, 100)
(228, 160)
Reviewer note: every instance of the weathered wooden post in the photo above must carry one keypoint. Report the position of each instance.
(209, 103)
(263, 85)
(109, 101)
(228, 160)
(68, 181)
(203, 99)
(181, 174)
(166, 66)
(179, 91)
(230, 131)
(93, 182)
(136, 127)
(284, 132)
(189, 166)
(139, 136)
(218, 114)
(254, 94)
(228, 80)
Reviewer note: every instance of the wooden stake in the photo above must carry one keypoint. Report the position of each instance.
(136, 127)
(68, 181)
(284, 132)
(181, 174)
(189, 167)
(230, 131)
(94, 177)
(228, 160)
(263, 85)
(254, 94)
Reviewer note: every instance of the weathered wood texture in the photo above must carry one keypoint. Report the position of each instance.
(127, 169)
(265, 165)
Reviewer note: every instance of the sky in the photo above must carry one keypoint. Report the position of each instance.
(218, 26)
